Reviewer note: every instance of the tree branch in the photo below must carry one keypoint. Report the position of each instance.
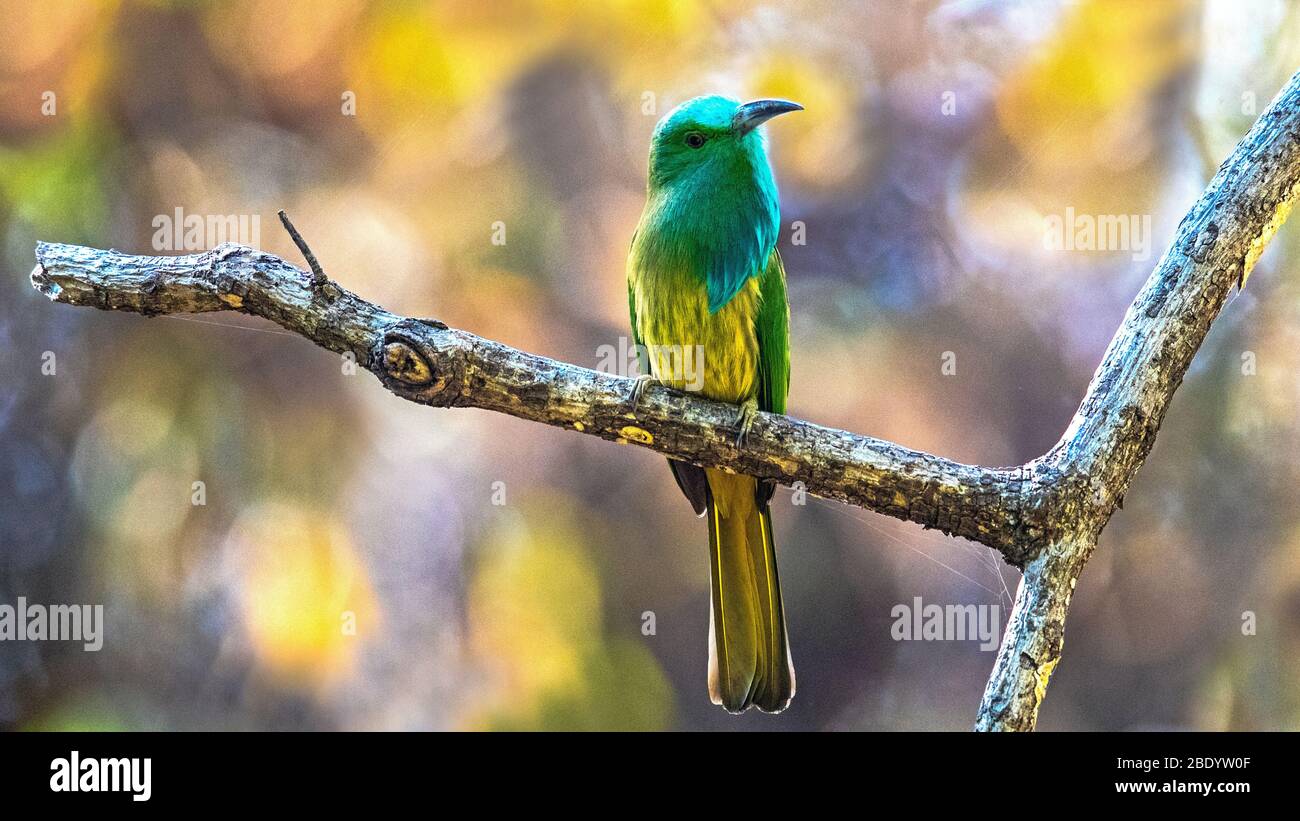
(1044, 516)
(1216, 246)
(425, 361)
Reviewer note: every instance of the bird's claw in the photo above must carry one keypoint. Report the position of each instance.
(643, 381)
(745, 420)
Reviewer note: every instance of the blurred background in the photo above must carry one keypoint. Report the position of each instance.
(360, 562)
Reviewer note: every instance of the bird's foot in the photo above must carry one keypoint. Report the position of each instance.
(745, 420)
(643, 381)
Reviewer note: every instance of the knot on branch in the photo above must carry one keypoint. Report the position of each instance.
(405, 364)
(410, 365)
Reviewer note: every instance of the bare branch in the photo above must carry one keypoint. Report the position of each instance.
(1044, 516)
(427, 362)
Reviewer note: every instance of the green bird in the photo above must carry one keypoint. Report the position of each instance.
(706, 291)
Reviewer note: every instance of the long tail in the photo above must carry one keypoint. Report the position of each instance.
(749, 655)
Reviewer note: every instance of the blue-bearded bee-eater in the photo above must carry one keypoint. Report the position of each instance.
(704, 276)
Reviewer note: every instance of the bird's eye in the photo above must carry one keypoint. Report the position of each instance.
(695, 139)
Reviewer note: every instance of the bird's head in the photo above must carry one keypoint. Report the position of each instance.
(709, 139)
(712, 205)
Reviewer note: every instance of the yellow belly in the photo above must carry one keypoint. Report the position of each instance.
(691, 349)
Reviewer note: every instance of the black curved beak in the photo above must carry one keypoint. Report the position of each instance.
(751, 115)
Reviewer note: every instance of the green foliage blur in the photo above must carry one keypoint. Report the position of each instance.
(280, 544)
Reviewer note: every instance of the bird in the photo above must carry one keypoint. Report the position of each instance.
(709, 311)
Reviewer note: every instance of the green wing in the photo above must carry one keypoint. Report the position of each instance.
(631, 311)
(773, 326)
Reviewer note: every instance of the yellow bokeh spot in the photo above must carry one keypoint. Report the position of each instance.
(822, 145)
(306, 597)
(537, 625)
(535, 604)
(1076, 103)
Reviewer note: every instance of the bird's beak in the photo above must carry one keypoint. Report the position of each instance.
(751, 115)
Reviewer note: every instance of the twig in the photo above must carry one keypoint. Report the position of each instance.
(318, 273)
